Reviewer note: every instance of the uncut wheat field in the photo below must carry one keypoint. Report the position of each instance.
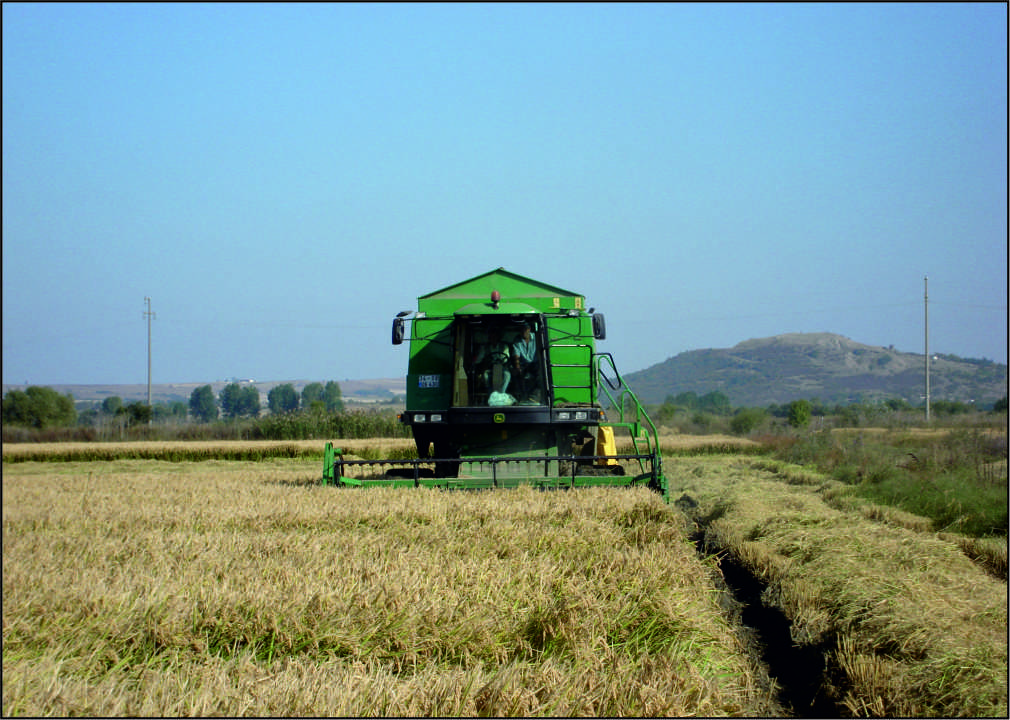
(144, 587)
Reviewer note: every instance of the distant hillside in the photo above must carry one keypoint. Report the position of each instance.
(835, 369)
(754, 373)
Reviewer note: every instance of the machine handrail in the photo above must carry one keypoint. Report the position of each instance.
(623, 393)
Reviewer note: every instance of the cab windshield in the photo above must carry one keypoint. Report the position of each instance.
(498, 362)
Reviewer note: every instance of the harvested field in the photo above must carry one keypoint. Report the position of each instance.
(233, 587)
(238, 589)
(196, 451)
(676, 441)
(176, 451)
(909, 624)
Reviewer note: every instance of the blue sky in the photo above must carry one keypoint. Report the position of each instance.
(282, 179)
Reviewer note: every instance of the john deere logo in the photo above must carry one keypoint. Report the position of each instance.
(499, 417)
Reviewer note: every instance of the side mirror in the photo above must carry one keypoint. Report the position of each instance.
(397, 331)
(599, 326)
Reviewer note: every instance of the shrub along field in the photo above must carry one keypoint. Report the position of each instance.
(955, 477)
(220, 578)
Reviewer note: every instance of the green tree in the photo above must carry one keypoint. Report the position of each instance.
(1000, 405)
(687, 400)
(311, 393)
(140, 413)
(665, 413)
(897, 404)
(282, 398)
(746, 420)
(703, 422)
(332, 397)
(174, 411)
(160, 412)
(88, 417)
(251, 401)
(799, 413)
(112, 404)
(232, 401)
(203, 404)
(951, 407)
(714, 402)
(238, 401)
(38, 407)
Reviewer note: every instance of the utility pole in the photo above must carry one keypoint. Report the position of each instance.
(150, 316)
(925, 305)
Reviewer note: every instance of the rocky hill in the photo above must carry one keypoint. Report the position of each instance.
(832, 368)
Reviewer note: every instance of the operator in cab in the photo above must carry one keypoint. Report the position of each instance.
(494, 353)
(524, 365)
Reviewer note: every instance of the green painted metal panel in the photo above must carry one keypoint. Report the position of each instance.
(503, 308)
(429, 372)
(512, 288)
(571, 344)
(508, 441)
(432, 368)
(488, 483)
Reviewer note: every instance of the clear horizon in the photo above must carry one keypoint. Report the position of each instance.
(401, 377)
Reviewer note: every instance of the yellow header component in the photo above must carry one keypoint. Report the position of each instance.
(605, 444)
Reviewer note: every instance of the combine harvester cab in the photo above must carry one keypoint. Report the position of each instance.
(505, 388)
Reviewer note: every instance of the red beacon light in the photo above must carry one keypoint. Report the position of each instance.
(495, 299)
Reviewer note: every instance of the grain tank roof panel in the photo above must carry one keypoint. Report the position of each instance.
(512, 287)
(505, 308)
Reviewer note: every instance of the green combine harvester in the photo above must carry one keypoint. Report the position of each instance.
(505, 387)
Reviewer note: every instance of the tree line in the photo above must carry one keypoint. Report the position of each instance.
(713, 412)
(237, 401)
(705, 408)
(42, 407)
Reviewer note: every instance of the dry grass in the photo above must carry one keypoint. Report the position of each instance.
(840, 496)
(144, 587)
(374, 447)
(674, 444)
(929, 433)
(919, 629)
(990, 553)
(677, 441)
(197, 450)
(232, 588)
